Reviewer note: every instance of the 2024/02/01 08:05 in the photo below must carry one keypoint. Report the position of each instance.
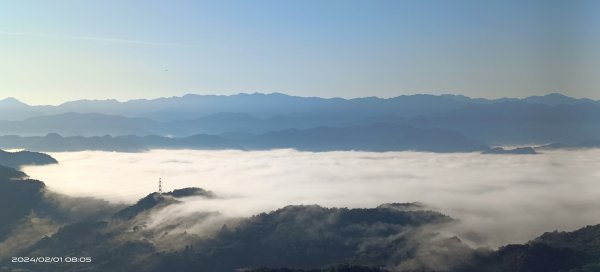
(51, 259)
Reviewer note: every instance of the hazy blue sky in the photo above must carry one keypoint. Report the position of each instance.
(51, 51)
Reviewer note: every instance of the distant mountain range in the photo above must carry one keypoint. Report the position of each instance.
(193, 106)
(311, 123)
(261, 105)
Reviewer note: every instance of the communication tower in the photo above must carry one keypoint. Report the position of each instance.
(160, 186)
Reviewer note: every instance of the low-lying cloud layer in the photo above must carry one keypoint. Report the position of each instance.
(499, 199)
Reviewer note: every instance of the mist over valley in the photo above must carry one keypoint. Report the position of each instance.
(531, 193)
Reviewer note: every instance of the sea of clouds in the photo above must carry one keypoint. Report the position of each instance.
(498, 199)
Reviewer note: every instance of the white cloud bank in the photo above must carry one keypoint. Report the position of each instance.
(502, 198)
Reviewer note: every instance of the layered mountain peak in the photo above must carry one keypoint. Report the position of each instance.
(554, 99)
(11, 102)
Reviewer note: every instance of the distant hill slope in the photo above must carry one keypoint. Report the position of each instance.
(519, 123)
(376, 137)
(84, 124)
(21, 158)
(55, 143)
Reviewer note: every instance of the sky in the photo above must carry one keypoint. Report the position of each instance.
(55, 51)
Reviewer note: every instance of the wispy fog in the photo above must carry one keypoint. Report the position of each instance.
(500, 198)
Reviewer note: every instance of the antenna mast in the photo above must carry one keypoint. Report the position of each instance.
(160, 186)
